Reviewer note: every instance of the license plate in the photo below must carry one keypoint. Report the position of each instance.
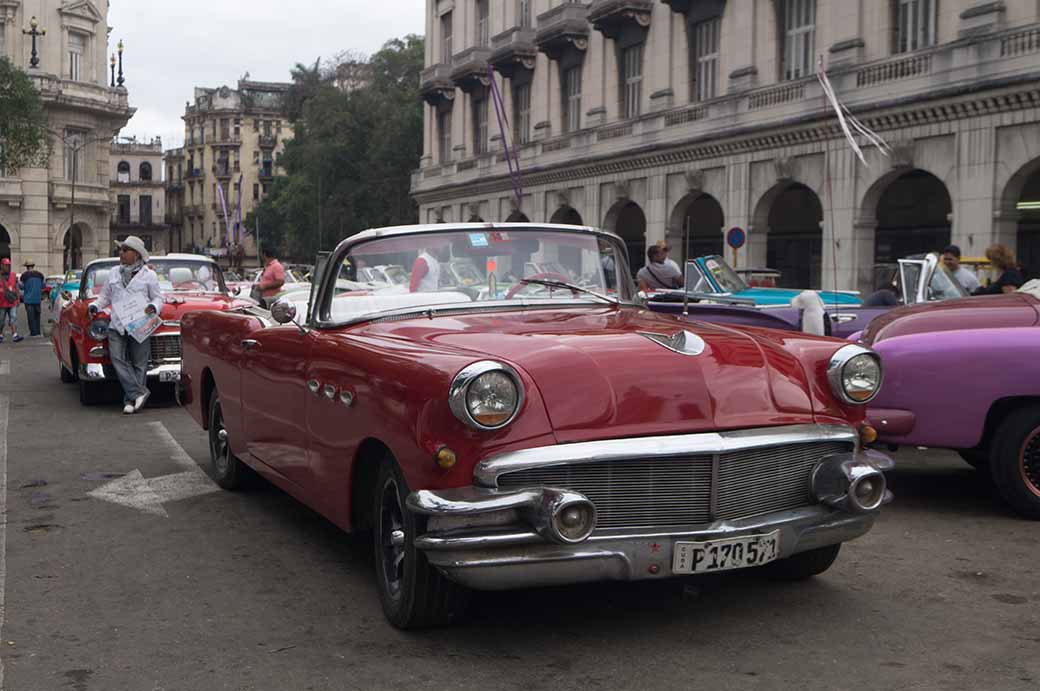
(169, 376)
(725, 554)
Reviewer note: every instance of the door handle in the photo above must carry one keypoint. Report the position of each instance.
(313, 386)
(250, 344)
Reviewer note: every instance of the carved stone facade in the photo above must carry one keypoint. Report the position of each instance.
(740, 137)
(38, 218)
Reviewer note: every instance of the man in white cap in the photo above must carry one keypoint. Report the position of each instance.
(129, 356)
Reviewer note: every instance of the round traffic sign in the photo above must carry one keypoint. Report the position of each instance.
(736, 237)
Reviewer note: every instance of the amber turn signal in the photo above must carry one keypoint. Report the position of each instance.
(445, 457)
(867, 434)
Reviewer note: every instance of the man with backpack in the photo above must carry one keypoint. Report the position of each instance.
(31, 284)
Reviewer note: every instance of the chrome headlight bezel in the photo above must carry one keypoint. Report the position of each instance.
(459, 392)
(98, 329)
(836, 372)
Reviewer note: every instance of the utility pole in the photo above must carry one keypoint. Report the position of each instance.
(319, 210)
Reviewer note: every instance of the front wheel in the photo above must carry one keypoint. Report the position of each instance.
(413, 593)
(804, 564)
(67, 377)
(228, 471)
(1015, 463)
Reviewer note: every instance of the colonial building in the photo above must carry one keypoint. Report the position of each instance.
(232, 141)
(58, 215)
(173, 161)
(139, 194)
(648, 117)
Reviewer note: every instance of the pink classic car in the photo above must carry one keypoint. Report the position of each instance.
(965, 375)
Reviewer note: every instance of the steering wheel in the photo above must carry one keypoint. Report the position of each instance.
(546, 276)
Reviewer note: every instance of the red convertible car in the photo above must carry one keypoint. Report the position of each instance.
(550, 433)
(188, 282)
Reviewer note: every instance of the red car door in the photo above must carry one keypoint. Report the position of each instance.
(336, 370)
(274, 400)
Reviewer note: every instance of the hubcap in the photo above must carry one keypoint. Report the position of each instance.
(1029, 457)
(392, 539)
(218, 442)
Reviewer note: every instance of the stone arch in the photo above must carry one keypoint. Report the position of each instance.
(626, 218)
(144, 172)
(5, 243)
(518, 216)
(911, 213)
(567, 215)
(706, 221)
(1021, 201)
(789, 216)
(73, 241)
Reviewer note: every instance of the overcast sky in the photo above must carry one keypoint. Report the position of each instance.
(172, 47)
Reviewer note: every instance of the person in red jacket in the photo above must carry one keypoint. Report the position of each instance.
(8, 300)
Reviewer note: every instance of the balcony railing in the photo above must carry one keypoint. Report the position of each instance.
(774, 96)
(564, 27)
(1020, 43)
(893, 70)
(267, 141)
(512, 49)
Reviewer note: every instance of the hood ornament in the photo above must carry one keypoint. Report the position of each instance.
(682, 342)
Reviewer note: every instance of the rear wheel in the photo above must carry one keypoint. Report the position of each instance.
(413, 593)
(228, 471)
(1015, 463)
(804, 564)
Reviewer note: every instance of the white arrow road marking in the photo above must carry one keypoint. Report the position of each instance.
(149, 494)
(4, 408)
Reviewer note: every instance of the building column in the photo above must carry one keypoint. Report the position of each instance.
(978, 219)
(656, 210)
(841, 262)
(737, 212)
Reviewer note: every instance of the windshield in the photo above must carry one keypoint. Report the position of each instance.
(943, 286)
(175, 276)
(472, 268)
(910, 273)
(724, 275)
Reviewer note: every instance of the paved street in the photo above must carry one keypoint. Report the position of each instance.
(253, 591)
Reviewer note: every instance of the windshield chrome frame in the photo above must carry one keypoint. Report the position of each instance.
(347, 244)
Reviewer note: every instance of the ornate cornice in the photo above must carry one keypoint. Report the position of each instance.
(752, 139)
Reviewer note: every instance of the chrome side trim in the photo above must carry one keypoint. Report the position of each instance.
(486, 472)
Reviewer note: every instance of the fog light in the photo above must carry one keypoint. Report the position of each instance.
(868, 491)
(574, 522)
(446, 457)
(867, 434)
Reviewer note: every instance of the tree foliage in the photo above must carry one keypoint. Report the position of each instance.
(357, 137)
(24, 139)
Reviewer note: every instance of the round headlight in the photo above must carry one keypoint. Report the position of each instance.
(98, 329)
(855, 374)
(486, 395)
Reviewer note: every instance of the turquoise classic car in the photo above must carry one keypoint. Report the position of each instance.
(711, 275)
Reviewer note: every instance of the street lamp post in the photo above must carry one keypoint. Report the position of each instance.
(34, 60)
(112, 62)
(119, 47)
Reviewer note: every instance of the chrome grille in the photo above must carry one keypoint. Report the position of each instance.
(671, 492)
(166, 348)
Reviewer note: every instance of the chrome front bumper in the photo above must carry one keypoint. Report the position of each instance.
(489, 538)
(96, 372)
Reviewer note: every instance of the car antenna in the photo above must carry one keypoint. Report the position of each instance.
(685, 260)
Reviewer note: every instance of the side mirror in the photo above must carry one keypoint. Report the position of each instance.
(237, 290)
(283, 311)
(66, 296)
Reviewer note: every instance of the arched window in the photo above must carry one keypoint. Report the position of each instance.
(146, 171)
(123, 172)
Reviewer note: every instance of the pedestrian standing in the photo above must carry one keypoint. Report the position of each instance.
(31, 283)
(1010, 278)
(8, 300)
(272, 279)
(132, 280)
(657, 275)
(952, 259)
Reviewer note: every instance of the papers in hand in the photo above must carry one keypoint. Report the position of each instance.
(131, 313)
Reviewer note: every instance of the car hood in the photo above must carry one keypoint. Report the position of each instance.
(981, 312)
(600, 375)
(176, 305)
(783, 296)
